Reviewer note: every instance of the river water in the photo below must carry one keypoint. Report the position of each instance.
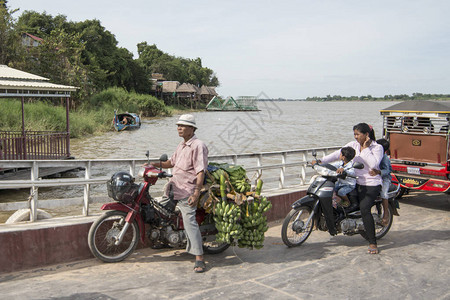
(277, 126)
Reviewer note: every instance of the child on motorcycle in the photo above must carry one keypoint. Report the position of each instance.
(385, 172)
(345, 185)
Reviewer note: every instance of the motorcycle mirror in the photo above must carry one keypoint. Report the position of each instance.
(148, 156)
(164, 157)
(358, 165)
(314, 153)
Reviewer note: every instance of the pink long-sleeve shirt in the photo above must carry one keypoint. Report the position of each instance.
(370, 157)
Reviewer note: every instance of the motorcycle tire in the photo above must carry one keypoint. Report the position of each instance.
(295, 237)
(213, 247)
(401, 192)
(380, 229)
(102, 236)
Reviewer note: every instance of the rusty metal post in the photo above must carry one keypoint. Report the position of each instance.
(67, 128)
(23, 139)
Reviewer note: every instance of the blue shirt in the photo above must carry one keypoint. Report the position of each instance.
(385, 167)
(348, 167)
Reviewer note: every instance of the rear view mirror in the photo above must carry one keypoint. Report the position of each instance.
(314, 153)
(164, 157)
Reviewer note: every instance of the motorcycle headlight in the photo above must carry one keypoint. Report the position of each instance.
(141, 172)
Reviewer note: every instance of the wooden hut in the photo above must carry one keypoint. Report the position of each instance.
(207, 93)
(188, 92)
(25, 144)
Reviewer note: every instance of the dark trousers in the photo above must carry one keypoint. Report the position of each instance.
(366, 198)
(327, 209)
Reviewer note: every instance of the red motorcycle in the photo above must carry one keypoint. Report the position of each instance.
(115, 235)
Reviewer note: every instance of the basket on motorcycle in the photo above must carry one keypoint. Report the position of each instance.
(121, 187)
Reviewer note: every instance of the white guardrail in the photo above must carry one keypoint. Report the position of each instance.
(279, 170)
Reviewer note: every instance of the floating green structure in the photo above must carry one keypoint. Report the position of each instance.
(244, 103)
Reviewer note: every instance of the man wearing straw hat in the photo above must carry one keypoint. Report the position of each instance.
(189, 162)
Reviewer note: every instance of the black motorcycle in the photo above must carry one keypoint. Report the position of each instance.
(310, 211)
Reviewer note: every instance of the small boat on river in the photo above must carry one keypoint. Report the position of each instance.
(126, 121)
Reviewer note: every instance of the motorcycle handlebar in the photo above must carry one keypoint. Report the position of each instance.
(164, 174)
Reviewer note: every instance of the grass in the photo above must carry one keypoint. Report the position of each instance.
(93, 117)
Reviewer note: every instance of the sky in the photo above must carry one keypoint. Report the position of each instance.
(287, 49)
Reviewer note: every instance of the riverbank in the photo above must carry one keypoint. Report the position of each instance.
(94, 117)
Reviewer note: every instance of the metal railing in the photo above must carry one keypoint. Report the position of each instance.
(31, 145)
(279, 170)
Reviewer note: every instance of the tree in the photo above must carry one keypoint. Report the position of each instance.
(175, 68)
(41, 24)
(58, 57)
(9, 39)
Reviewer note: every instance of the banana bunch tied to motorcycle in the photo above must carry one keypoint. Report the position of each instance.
(226, 217)
(216, 175)
(238, 179)
(254, 223)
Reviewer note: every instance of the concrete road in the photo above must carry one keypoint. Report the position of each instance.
(412, 264)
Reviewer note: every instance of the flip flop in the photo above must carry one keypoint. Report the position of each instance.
(199, 266)
(371, 250)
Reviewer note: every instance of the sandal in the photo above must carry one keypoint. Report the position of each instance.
(372, 250)
(199, 266)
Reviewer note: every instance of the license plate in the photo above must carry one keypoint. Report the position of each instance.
(415, 171)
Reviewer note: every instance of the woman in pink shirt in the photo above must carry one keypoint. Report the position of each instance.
(370, 154)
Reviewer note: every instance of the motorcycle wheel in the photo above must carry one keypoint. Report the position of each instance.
(103, 234)
(401, 192)
(380, 229)
(293, 231)
(211, 246)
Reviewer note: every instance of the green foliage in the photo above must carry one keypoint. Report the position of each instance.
(58, 58)
(40, 24)
(43, 116)
(11, 113)
(85, 54)
(117, 98)
(9, 44)
(175, 68)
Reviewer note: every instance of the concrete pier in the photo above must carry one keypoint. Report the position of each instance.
(412, 264)
(62, 240)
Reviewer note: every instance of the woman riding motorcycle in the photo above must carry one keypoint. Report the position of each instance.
(368, 187)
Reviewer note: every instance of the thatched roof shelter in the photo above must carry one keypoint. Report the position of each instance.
(208, 90)
(170, 86)
(186, 88)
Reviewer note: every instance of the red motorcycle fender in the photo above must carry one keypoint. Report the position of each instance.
(121, 207)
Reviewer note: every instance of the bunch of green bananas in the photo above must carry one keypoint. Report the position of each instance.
(254, 223)
(216, 174)
(226, 217)
(241, 185)
(238, 179)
